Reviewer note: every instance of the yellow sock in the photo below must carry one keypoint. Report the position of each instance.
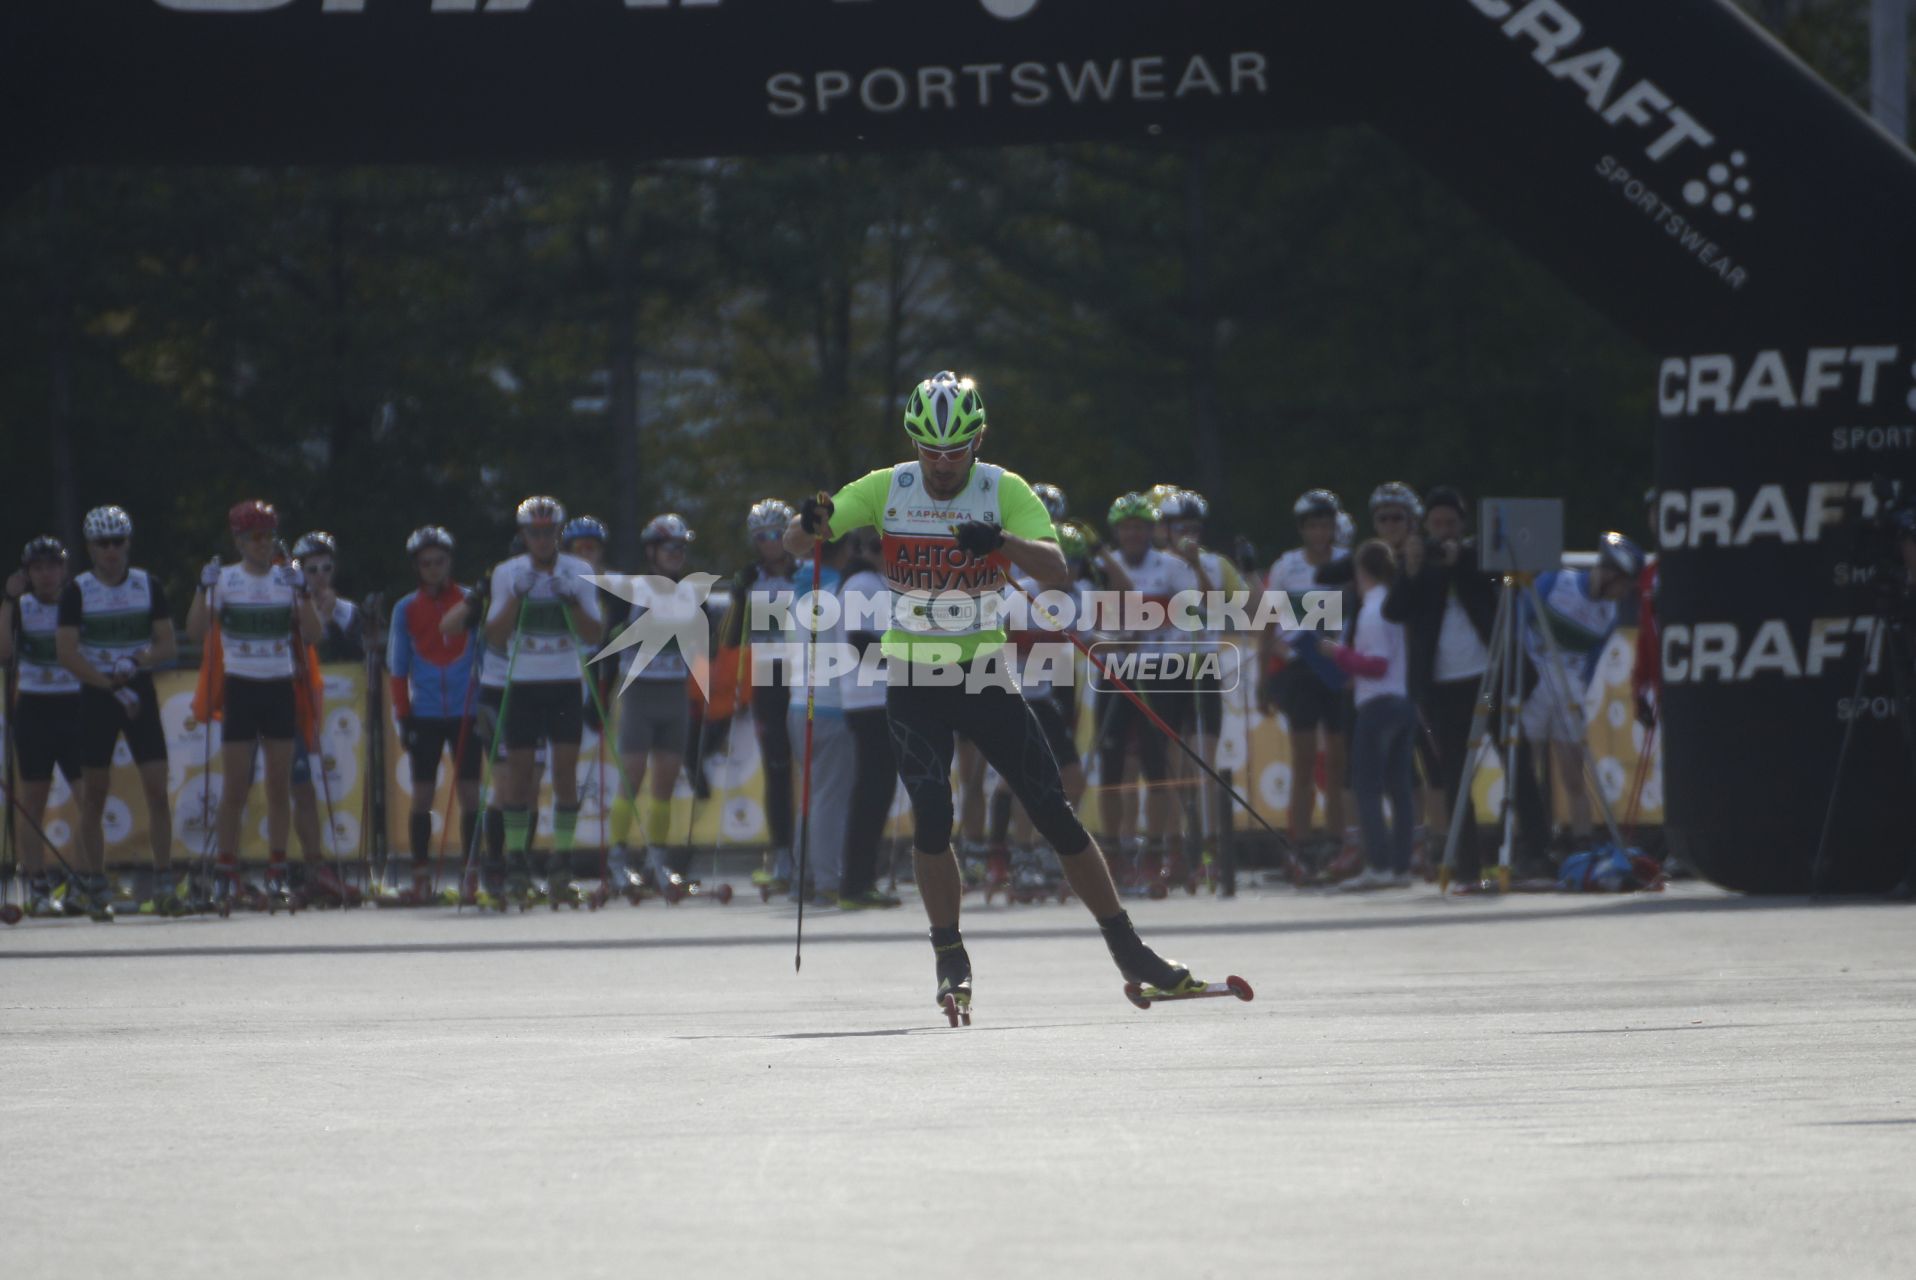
(658, 820)
(623, 816)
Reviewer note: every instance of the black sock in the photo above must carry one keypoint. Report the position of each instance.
(468, 823)
(1121, 923)
(1000, 816)
(942, 938)
(419, 829)
(495, 836)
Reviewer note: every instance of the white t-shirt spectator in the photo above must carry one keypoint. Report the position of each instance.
(1378, 638)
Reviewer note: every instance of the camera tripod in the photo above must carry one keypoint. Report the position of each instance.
(1498, 721)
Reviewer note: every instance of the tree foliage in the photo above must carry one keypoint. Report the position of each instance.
(377, 348)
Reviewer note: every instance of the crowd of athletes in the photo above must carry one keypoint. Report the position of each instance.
(1378, 713)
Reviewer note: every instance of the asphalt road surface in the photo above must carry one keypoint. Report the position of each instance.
(1685, 1084)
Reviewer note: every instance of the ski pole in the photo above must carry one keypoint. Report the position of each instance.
(316, 753)
(805, 793)
(605, 727)
(731, 740)
(11, 854)
(494, 750)
(1631, 812)
(1156, 720)
(99, 907)
(458, 764)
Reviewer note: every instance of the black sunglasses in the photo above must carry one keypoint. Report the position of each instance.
(109, 542)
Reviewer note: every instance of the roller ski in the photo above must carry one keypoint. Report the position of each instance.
(954, 976)
(231, 893)
(418, 894)
(872, 899)
(675, 886)
(321, 887)
(1144, 995)
(1150, 978)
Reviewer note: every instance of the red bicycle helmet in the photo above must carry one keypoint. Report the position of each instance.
(253, 516)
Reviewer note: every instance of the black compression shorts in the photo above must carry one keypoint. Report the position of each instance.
(550, 710)
(925, 720)
(103, 719)
(258, 709)
(46, 733)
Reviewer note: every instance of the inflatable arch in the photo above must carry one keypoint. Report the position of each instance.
(1664, 157)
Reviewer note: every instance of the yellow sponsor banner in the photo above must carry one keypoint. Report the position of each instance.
(1255, 747)
(1259, 744)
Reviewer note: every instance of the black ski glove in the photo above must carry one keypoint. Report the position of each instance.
(813, 513)
(979, 538)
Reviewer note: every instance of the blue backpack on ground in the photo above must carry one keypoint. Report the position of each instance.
(1608, 869)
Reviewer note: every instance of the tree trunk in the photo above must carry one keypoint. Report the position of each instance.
(622, 364)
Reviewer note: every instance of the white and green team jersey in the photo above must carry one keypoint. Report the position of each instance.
(547, 651)
(114, 622)
(255, 612)
(40, 669)
(669, 664)
(492, 668)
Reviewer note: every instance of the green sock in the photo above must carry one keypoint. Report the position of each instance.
(518, 829)
(623, 816)
(565, 822)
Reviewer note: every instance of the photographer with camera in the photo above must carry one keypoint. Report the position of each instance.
(1448, 606)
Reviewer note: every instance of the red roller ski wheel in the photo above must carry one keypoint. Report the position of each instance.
(11, 915)
(723, 893)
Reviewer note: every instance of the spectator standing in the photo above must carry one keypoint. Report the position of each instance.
(1383, 737)
(1448, 606)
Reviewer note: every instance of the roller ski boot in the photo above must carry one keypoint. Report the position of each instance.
(954, 976)
(520, 888)
(169, 897)
(229, 893)
(773, 876)
(325, 888)
(1151, 979)
(1035, 877)
(563, 891)
(671, 886)
(621, 881)
(281, 889)
(1175, 875)
(91, 897)
(490, 894)
(43, 900)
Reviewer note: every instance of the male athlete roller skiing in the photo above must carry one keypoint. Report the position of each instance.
(951, 524)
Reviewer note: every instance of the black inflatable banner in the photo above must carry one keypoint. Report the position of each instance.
(1664, 156)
